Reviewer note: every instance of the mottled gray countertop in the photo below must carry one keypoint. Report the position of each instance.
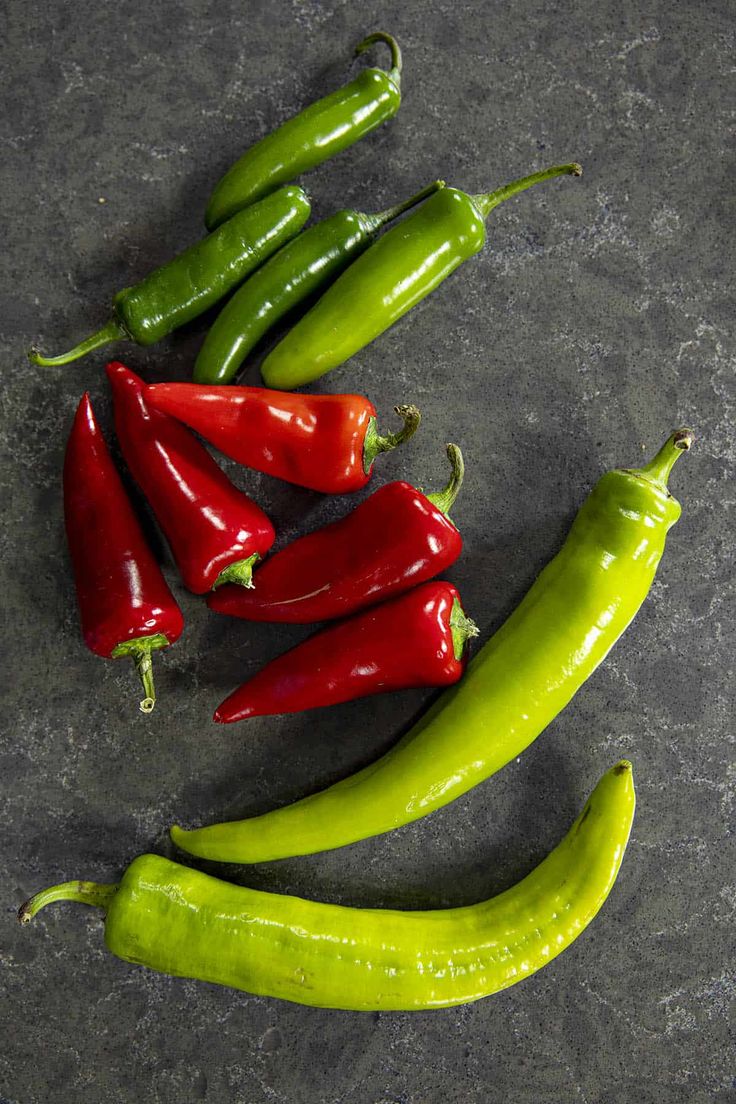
(598, 317)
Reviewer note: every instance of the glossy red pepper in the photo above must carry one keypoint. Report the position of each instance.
(216, 532)
(125, 606)
(417, 639)
(395, 539)
(325, 442)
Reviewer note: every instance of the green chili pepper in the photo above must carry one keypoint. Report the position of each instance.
(516, 684)
(320, 131)
(391, 277)
(194, 281)
(188, 924)
(300, 268)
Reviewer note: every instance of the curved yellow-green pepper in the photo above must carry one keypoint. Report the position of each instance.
(519, 681)
(188, 924)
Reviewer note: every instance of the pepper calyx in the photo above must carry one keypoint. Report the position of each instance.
(376, 443)
(139, 649)
(659, 468)
(240, 573)
(462, 629)
(444, 500)
(96, 894)
(485, 202)
(394, 74)
(114, 330)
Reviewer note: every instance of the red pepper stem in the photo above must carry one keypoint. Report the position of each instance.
(383, 36)
(140, 650)
(376, 443)
(445, 498)
(462, 629)
(240, 572)
(486, 202)
(86, 893)
(658, 469)
(376, 222)
(113, 331)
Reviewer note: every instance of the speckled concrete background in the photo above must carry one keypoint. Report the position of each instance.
(598, 317)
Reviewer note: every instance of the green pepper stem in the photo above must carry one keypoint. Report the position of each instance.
(487, 201)
(86, 893)
(658, 469)
(462, 628)
(444, 499)
(376, 222)
(240, 573)
(375, 443)
(113, 331)
(139, 649)
(382, 36)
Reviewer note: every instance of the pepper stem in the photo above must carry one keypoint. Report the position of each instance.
(140, 650)
(113, 331)
(658, 469)
(383, 36)
(375, 443)
(86, 893)
(462, 628)
(376, 222)
(240, 573)
(487, 201)
(444, 499)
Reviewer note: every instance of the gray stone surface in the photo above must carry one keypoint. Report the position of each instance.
(598, 317)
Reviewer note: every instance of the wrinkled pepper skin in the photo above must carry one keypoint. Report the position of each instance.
(324, 442)
(415, 640)
(196, 279)
(513, 688)
(406, 264)
(322, 130)
(394, 540)
(125, 605)
(301, 268)
(187, 924)
(214, 530)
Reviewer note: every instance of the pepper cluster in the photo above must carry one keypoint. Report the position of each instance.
(373, 573)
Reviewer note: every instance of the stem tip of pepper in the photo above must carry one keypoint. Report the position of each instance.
(444, 499)
(382, 36)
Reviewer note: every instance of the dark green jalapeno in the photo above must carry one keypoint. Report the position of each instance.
(195, 280)
(299, 269)
(407, 263)
(327, 127)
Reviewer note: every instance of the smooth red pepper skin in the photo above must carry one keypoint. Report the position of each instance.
(315, 441)
(207, 521)
(121, 592)
(403, 643)
(394, 540)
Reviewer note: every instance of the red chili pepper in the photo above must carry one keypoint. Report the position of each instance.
(395, 539)
(125, 605)
(325, 442)
(216, 533)
(417, 639)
